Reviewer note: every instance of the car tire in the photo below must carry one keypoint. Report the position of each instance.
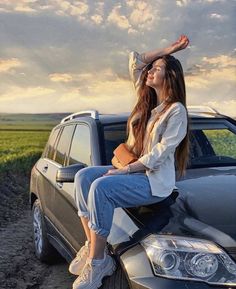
(117, 281)
(43, 249)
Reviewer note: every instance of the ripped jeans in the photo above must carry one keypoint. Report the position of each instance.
(97, 196)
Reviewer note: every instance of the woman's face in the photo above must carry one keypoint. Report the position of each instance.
(156, 74)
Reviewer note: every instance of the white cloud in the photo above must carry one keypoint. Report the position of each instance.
(142, 15)
(218, 16)
(182, 3)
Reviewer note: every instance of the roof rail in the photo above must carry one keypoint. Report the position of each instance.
(202, 109)
(93, 113)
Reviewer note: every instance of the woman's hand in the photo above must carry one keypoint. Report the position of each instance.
(111, 172)
(180, 44)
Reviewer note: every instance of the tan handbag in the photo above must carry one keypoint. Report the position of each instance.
(122, 156)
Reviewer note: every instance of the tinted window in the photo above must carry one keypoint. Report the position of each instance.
(113, 136)
(80, 147)
(64, 144)
(213, 147)
(50, 148)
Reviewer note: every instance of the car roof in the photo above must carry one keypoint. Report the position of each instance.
(203, 112)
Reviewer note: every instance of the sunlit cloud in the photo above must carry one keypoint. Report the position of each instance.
(8, 64)
(97, 18)
(25, 9)
(221, 60)
(115, 17)
(60, 77)
(16, 93)
(223, 106)
(211, 71)
(104, 96)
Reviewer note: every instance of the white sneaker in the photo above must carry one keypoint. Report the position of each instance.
(92, 275)
(79, 261)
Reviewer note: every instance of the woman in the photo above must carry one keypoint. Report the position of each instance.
(157, 134)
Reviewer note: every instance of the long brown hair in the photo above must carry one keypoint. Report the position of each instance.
(173, 90)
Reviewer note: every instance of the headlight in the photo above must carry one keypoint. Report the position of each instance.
(189, 259)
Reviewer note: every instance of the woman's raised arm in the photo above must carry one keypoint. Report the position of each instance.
(180, 44)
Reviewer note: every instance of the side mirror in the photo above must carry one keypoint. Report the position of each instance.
(67, 174)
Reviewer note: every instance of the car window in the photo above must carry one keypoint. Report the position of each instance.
(64, 144)
(50, 147)
(113, 136)
(213, 147)
(80, 151)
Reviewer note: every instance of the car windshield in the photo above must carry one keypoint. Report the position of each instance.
(208, 147)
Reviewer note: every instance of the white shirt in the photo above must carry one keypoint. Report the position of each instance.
(166, 135)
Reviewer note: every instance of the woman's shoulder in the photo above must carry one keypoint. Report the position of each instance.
(177, 106)
(177, 109)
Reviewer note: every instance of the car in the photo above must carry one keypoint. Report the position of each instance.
(188, 240)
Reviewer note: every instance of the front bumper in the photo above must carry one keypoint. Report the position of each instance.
(140, 276)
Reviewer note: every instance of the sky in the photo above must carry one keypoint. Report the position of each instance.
(68, 56)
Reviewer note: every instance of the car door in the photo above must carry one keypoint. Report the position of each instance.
(46, 179)
(66, 209)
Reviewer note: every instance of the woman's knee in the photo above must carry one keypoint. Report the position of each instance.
(99, 189)
(82, 175)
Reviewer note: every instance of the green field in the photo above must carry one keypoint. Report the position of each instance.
(19, 149)
(22, 139)
(33, 122)
(222, 141)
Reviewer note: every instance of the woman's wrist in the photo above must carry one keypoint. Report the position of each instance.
(128, 169)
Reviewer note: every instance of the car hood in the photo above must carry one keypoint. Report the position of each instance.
(203, 207)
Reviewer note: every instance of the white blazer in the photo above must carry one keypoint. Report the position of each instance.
(166, 135)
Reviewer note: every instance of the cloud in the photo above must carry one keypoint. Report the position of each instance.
(221, 60)
(16, 93)
(8, 64)
(223, 106)
(97, 18)
(60, 77)
(218, 16)
(24, 9)
(105, 96)
(182, 3)
(116, 18)
(143, 15)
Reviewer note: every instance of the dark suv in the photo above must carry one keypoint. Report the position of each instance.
(186, 241)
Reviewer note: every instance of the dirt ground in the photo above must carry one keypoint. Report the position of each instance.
(19, 268)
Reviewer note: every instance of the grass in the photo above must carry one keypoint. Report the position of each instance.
(222, 141)
(20, 149)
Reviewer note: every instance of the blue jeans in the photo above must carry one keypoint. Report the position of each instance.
(97, 196)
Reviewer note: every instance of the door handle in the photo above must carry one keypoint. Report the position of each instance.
(60, 185)
(45, 168)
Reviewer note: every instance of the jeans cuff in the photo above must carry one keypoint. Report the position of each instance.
(83, 214)
(97, 230)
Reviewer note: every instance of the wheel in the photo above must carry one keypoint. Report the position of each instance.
(116, 281)
(43, 249)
